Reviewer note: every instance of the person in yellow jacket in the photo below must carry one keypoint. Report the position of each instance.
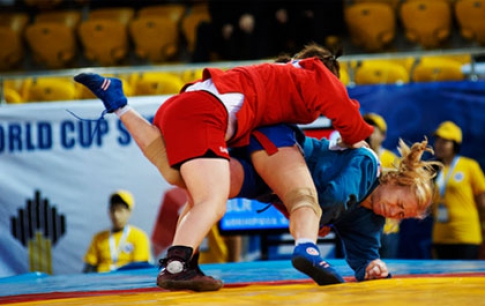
(390, 237)
(459, 197)
(121, 245)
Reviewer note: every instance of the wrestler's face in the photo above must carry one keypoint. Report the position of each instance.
(393, 201)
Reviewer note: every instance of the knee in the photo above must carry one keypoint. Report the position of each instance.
(155, 152)
(302, 198)
(220, 211)
(173, 178)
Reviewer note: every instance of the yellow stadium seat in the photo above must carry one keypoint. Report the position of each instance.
(12, 96)
(155, 38)
(371, 26)
(121, 14)
(16, 21)
(12, 28)
(430, 69)
(344, 73)
(427, 23)
(380, 72)
(104, 35)
(191, 75)
(52, 38)
(14, 90)
(71, 18)
(190, 23)
(174, 12)
(393, 3)
(470, 15)
(18, 85)
(104, 41)
(48, 89)
(156, 83)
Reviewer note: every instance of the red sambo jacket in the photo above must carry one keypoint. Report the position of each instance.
(285, 93)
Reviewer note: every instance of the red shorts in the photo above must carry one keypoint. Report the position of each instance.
(192, 123)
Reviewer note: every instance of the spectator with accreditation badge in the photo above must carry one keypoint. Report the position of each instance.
(459, 198)
(121, 245)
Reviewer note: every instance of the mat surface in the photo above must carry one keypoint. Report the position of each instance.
(259, 283)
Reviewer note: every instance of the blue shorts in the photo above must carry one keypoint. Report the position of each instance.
(268, 138)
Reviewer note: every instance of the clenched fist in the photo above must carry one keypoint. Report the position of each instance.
(376, 269)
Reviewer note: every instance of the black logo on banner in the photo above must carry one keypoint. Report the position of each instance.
(39, 227)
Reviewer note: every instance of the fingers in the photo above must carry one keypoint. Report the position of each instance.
(324, 231)
(376, 269)
(360, 144)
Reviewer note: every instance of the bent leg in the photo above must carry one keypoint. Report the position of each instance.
(150, 140)
(147, 136)
(284, 172)
(287, 174)
(207, 181)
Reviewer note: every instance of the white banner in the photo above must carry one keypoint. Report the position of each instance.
(57, 179)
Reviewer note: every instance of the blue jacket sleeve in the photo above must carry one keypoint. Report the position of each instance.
(360, 232)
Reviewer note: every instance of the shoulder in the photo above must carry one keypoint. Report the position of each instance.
(101, 236)
(368, 156)
(137, 231)
(469, 163)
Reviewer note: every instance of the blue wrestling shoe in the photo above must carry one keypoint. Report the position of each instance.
(306, 259)
(109, 90)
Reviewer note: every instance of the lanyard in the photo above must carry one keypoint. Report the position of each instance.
(115, 251)
(441, 181)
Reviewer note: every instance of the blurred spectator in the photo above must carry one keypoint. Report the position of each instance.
(121, 245)
(319, 21)
(278, 18)
(460, 196)
(234, 32)
(390, 237)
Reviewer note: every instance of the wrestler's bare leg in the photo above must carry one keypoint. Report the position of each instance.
(287, 174)
(150, 140)
(284, 171)
(237, 179)
(142, 131)
(147, 136)
(207, 181)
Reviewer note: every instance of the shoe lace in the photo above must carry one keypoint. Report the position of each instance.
(96, 128)
(162, 262)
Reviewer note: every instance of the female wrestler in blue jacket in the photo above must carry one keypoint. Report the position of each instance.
(354, 195)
